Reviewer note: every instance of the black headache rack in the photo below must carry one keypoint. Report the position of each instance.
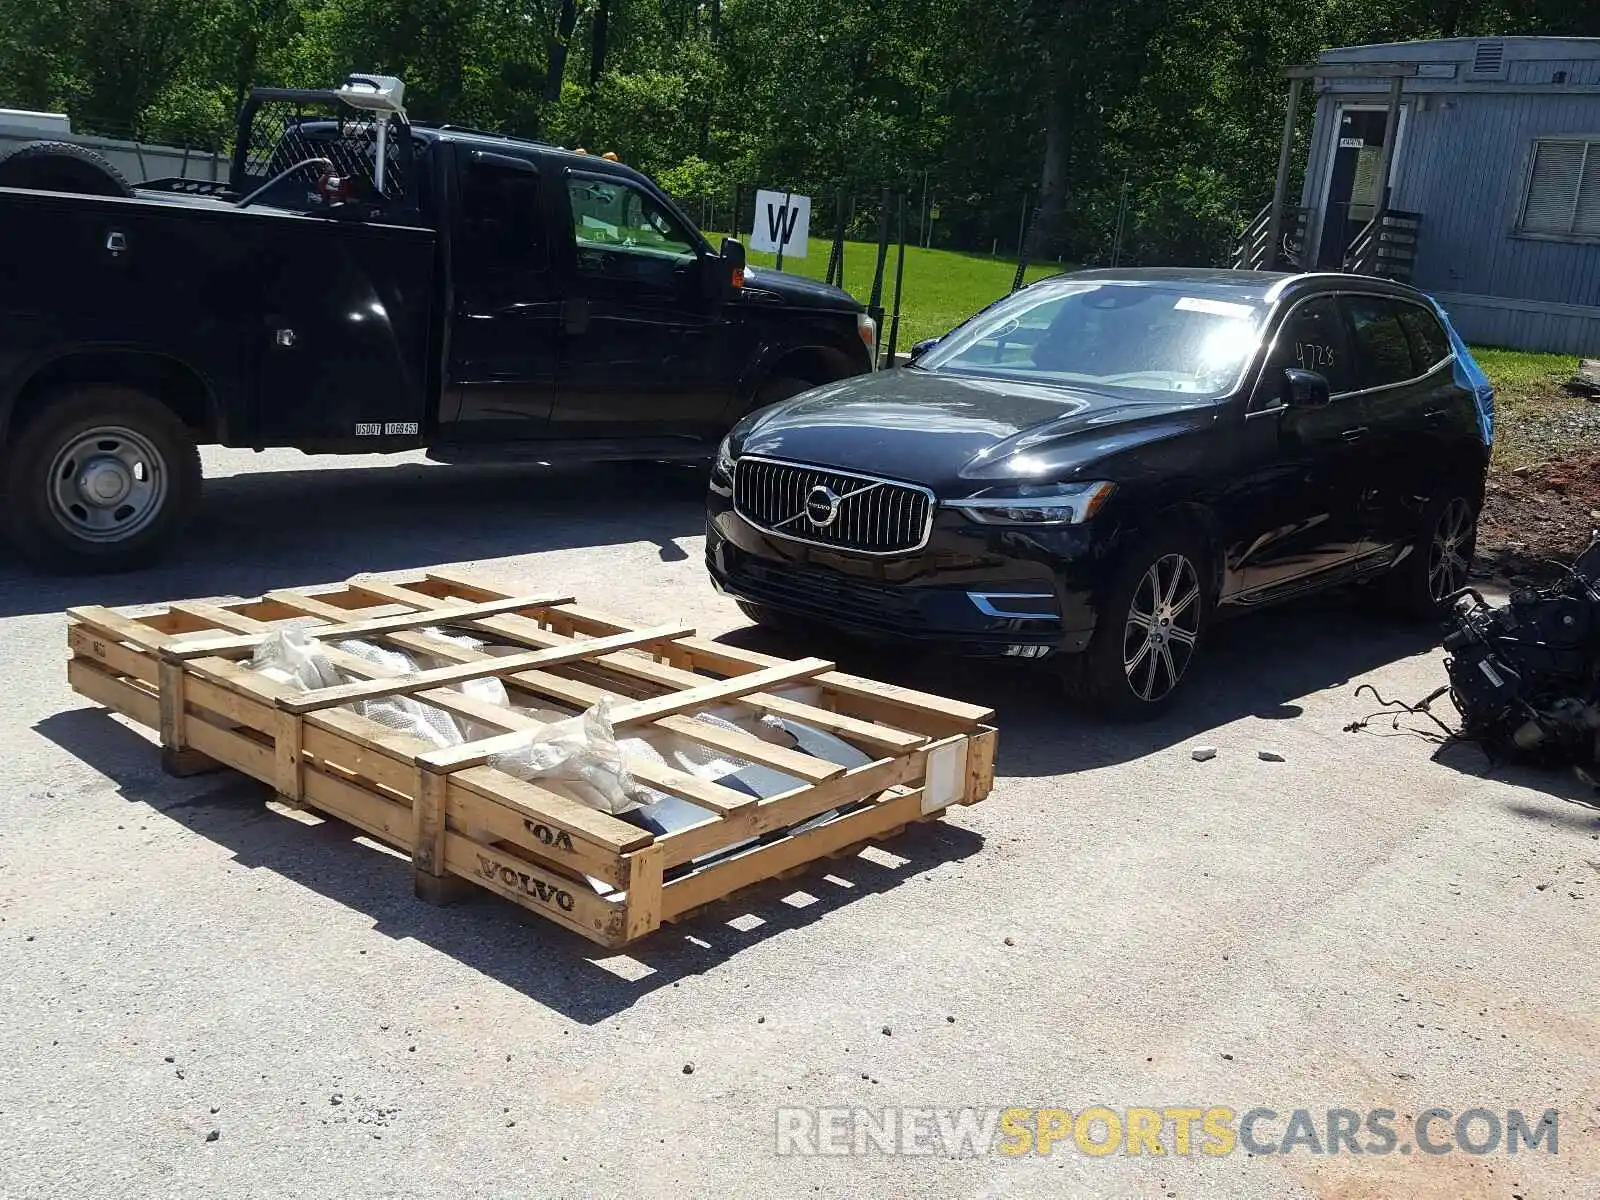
(344, 152)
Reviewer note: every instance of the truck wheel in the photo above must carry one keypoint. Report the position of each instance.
(100, 479)
(778, 388)
(62, 167)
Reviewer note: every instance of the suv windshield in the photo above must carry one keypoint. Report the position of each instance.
(1111, 335)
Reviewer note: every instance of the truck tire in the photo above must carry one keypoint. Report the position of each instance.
(777, 388)
(62, 167)
(100, 479)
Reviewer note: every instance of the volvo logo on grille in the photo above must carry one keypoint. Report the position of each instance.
(822, 506)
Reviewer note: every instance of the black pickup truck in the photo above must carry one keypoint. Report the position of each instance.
(361, 283)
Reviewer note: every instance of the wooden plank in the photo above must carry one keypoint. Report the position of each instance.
(366, 810)
(114, 625)
(114, 693)
(562, 900)
(90, 643)
(867, 735)
(214, 616)
(233, 749)
(900, 707)
(334, 697)
(747, 746)
(235, 707)
(715, 882)
(791, 808)
(644, 893)
(428, 822)
(288, 763)
(299, 603)
(717, 692)
(980, 765)
(542, 823)
(367, 628)
(363, 747)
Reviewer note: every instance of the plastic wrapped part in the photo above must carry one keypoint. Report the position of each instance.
(289, 657)
(582, 755)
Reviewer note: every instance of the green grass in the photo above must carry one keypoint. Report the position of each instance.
(941, 288)
(1533, 408)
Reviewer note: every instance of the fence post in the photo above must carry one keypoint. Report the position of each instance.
(875, 305)
(836, 252)
(899, 277)
(1022, 242)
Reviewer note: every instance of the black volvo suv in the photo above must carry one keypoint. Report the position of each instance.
(1097, 466)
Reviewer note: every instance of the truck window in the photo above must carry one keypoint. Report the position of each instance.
(501, 227)
(623, 233)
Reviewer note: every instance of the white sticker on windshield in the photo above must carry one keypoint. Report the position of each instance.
(1217, 308)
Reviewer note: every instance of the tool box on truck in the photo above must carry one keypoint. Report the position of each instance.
(814, 762)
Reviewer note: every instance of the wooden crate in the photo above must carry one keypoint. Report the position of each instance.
(182, 670)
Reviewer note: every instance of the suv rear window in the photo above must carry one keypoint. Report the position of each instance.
(1430, 345)
(1383, 351)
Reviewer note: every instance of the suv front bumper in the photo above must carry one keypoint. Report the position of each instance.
(978, 590)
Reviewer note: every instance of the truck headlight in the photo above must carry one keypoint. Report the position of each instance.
(1037, 504)
(867, 328)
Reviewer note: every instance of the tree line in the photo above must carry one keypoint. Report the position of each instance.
(1066, 118)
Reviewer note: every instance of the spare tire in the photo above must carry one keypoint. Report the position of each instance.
(62, 167)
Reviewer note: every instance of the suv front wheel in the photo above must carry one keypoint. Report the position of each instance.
(1155, 614)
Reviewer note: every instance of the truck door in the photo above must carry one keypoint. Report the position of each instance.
(506, 327)
(643, 342)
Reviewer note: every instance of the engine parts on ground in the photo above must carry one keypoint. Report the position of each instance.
(1525, 675)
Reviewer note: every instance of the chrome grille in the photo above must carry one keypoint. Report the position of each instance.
(868, 515)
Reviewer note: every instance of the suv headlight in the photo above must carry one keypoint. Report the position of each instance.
(722, 467)
(1037, 504)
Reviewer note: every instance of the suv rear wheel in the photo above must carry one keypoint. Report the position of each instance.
(1440, 558)
(1155, 613)
(100, 479)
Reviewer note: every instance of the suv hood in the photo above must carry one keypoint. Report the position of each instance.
(763, 286)
(962, 434)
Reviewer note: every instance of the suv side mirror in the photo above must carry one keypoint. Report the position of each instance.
(922, 347)
(1305, 389)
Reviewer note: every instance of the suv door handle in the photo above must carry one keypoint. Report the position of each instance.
(1355, 434)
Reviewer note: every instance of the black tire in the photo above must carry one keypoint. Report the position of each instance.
(1439, 561)
(771, 618)
(1152, 624)
(779, 388)
(62, 167)
(102, 478)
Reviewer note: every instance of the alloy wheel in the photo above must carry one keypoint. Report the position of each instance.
(1450, 549)
(1163, 624)
(106, 484)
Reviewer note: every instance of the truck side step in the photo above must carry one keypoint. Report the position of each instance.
(573, 450)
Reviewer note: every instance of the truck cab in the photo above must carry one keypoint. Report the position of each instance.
(364, 284)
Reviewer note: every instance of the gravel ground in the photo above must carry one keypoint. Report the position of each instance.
(206, 997)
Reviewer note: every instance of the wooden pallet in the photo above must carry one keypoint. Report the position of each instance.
(182, 670)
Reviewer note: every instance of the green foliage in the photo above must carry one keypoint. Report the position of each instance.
(1160, 114)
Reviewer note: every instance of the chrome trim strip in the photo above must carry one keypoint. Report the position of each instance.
(760, 459)
(984, 603)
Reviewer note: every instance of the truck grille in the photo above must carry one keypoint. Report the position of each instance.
(832, 508)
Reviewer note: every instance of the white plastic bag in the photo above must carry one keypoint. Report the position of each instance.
(580, 754)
